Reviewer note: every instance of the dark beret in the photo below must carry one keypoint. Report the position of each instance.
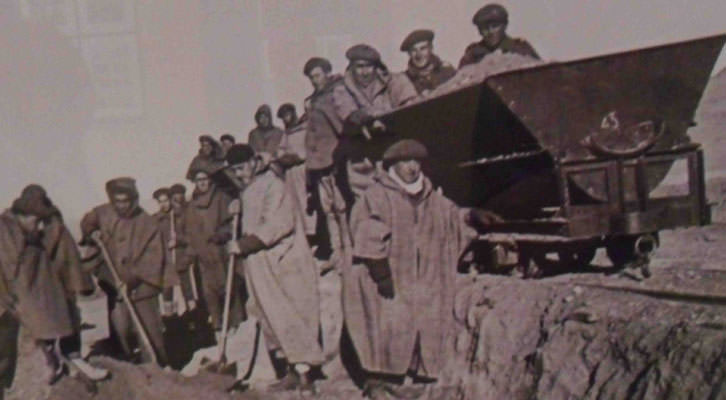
(419, 35)
(363, 52)
(490, 13)
(124, 185)
(287, 107)
(208, 139)
(406, 149)
(239, 153)
(177, 188)
(161, 192)
(315, 62)
(227, 136)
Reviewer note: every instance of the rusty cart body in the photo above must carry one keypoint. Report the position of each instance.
(573, 155)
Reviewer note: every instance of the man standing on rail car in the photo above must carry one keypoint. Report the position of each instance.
(135, 248)
(367, 90)
(399, 293)
(425, 69)
(491, 21)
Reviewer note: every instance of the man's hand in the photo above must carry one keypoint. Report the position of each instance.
(234, 207)
(233, 248)
(289, 160)
(220, 238)
(481, 219)
(171, 244)
(360, 117)
(97, 236)
(250, 244)
(380, 273)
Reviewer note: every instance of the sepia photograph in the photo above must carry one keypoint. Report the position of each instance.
(356, 199)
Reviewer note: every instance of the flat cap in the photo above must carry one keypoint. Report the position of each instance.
(287, 107)
(419, 35)
(363, 52)
(315, 62)
(228, 137)
(406, 149)
(177, 188)
(239, 153)
(490, 13)
(123, 185)
(160, 192)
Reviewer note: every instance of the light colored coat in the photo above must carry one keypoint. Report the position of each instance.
(281, 279)
(387, 93)
(422, 238)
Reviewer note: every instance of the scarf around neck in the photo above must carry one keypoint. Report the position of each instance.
(411, 188)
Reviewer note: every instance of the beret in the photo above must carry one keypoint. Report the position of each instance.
(177, 188)
(419, 35)
(227, 136)
(124, 185)
(208, 139)
(363, 52)
(490, 13)
(160, 192)
(315, 62)
(406, 149)
(239, 153)
(287, 107)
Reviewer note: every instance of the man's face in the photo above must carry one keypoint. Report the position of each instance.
(363, 72)
(121, 203)
(318, 78)
(177, 201)
(408, 170)
(201, 182)
(164, 203)
(245, 171)
(420, 53)
(206, 147)
(289, 118)
(226, 144)
(28, 223)
(263, 120)
(492, 33)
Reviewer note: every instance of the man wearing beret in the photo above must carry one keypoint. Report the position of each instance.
(210, 156)
(135, 247)
(279, 268)
(399, 293)
(491, 21)
(265, 137)
(425, 69)
(205, 221)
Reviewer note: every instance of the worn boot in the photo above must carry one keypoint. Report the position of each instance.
(55, 366)
(291, 381)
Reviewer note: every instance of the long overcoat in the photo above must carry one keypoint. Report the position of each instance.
(282, 278)
(422, 237)
(205, 215)
(31, 284)
(134, 245)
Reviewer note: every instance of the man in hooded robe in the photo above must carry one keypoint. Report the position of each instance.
(265, 137)
(210, 156)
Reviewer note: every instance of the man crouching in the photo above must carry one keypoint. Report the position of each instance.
(278, 267)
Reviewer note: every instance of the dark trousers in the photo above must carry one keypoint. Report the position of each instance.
(146, 304)
(9, 330)
(214, 300)
(185, 282)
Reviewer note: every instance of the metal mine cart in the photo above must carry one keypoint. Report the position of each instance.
(572, 155)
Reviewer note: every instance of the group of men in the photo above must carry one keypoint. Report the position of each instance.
(260, 215)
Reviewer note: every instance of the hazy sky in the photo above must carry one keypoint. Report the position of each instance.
(50, 137)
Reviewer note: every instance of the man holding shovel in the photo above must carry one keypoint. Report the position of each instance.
(129, 262)
(278, 267)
